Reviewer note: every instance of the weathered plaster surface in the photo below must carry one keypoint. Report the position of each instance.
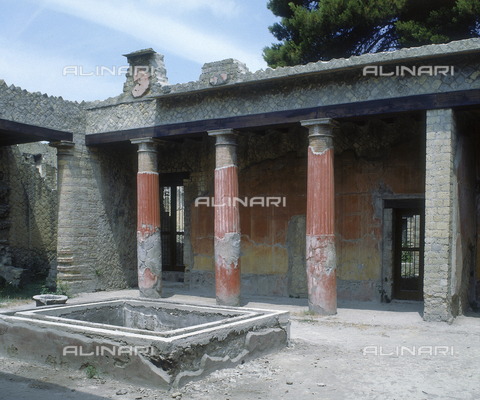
(464, 225)
(387, 167)
(321, 274)
(149, 253)
(228, 249)
(296, 245)
(227, 269)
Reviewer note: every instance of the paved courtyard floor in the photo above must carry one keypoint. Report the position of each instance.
(366, 351)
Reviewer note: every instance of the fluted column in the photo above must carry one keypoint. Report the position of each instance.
(149, 242)
(227, 219)
(320, 249)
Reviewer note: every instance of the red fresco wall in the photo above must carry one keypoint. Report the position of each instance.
(358, 225)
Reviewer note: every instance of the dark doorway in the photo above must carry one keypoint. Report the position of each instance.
(172, 224)
(408, 254)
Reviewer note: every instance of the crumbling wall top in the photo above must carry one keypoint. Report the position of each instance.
(243, 75)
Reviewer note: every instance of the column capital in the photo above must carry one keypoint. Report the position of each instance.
(145, 144)
(224, 136)
(320, 126)
(147, 154)
(63, 147)
(142, 140)
(226, 147)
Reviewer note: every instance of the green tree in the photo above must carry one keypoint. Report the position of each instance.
(325, 29)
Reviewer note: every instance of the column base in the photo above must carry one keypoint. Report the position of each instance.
(227, 270)
(321, 274)
(150, 266)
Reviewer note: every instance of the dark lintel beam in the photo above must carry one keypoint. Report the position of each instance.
(456, 100)
(12, 132)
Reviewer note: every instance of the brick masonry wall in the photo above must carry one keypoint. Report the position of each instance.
(450, 194)
(97, 218)
(439, 214)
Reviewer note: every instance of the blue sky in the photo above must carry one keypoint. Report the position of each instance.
(39, 38)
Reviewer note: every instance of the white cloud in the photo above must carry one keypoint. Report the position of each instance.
(220, 8)
(42, 72)
(188, 32)
(18, 32)
(162, 29)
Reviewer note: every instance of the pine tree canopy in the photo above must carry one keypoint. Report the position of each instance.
(325, 29)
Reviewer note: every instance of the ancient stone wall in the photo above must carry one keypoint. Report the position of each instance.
(8, 273)
(131, 115)
(97, 218)
(226, 88)
(40, 109)
(33, 209)
(448, 54)
(29, 175)
(440, 198)
(96, 243)
(450, 204)
(296, 92)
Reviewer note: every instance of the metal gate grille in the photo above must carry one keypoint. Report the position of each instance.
(173, 227)
(410, 252)
(408, 274)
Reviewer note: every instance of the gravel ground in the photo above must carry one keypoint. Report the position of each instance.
(363, 352)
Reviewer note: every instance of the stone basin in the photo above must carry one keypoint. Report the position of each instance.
(158, 343)
(49, 299)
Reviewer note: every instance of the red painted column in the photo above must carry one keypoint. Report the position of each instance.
(320, 251)
(227, 219)
(149, 244)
